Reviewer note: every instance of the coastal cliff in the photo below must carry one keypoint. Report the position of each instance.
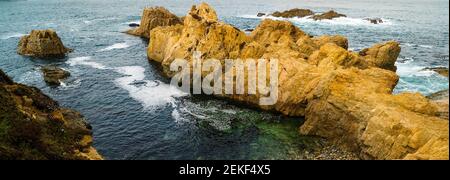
(35, 127)
(344, 96)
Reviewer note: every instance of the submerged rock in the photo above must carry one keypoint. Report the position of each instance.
(374, 20)
(440, 70)
(42, 43)
(293, 13)
(53, 75)
(344, 96)
(327, 15)
(34, 127)
(154, 17)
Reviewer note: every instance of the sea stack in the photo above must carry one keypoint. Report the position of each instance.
(34, 127)
(153, 17)
(42, 43)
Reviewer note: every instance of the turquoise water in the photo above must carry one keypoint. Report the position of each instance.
(136, 115)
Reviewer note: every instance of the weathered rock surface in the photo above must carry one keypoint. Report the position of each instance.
(382, 55)
(53, 75)
(154, 17)
(327, 15)
(34, 127)
(42, 43)
(293, 13)
(345, 96)
(440, 70)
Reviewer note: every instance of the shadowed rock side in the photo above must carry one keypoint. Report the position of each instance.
(34, 127)
(442, 99)
(42, 43)
(154, 17)
(345, 96)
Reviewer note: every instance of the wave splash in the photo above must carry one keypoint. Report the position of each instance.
(149, 93)
(347, 21)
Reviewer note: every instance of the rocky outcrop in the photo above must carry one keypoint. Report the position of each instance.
(327, 15)
(53, 75)
(339, 40)
(374, 20)
(154, 17)
(344, 96)
(34, 127)
(261, 14)
(293, 13)
(382, 55)
(440, 70)
(42, 43)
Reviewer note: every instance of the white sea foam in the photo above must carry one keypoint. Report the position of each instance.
(150, 93)
(347, 21)
(8, 35)
(408, 69)
(116, 46)
(85, 60)
(417, 45)
(134, 22)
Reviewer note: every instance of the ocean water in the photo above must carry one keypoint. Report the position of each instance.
(137, 115)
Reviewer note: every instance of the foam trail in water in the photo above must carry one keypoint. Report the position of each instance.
(149, 93)
(116, 46)
(11, 35)
(85, 61)
(417, 45)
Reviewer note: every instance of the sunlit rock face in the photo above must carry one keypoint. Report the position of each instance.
(42, 43)
(153, 17)
(345, 96)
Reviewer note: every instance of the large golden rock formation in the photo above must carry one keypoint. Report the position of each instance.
(345, 96)
(154, 17)
(42, 43)
(35, 127)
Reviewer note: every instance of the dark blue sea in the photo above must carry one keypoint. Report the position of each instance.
(135, 114)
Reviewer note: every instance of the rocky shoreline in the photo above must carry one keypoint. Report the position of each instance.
(35, 127)
(346, 97)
